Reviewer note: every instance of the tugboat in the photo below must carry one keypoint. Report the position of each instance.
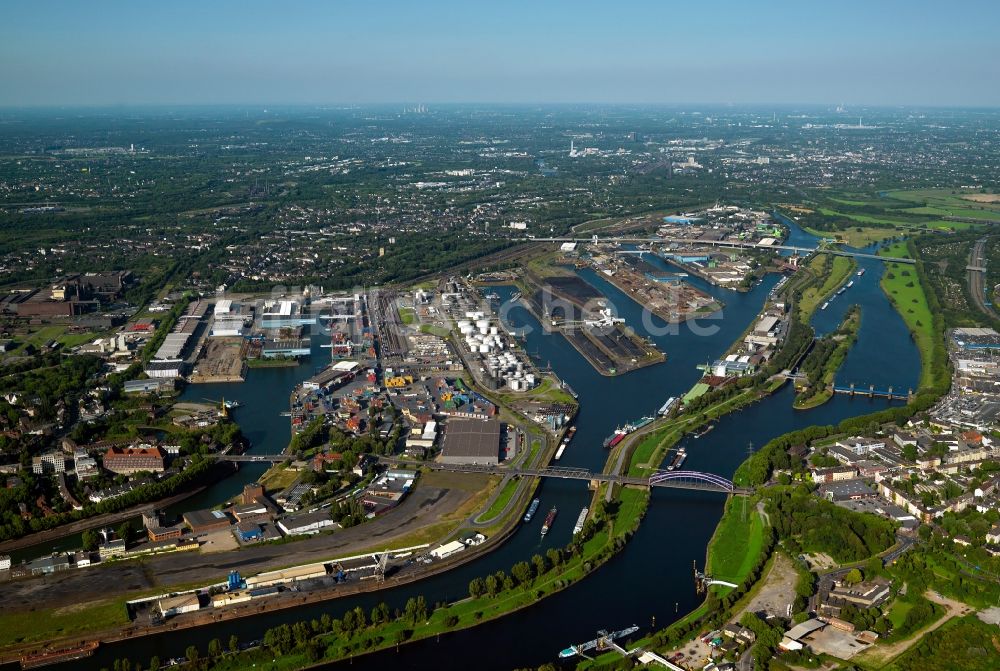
(549, 519)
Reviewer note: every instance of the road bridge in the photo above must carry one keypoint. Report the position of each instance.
(740, 244)
(693, 480)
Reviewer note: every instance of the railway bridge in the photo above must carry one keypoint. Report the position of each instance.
(724, 243)
(695, 480)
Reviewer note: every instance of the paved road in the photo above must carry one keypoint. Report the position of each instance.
(426, 506)
(977, 278)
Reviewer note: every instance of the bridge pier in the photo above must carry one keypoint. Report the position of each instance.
(852, 390)
(890, 392)
(871, 391)
(909, 395)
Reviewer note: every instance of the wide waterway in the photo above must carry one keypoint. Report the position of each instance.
(652, 575)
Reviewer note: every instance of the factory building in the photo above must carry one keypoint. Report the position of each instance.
(471, 441)
(204, 521)
(130, 460)
(279, 314)
(175, 605)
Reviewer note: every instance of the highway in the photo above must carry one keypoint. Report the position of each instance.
(977, 277)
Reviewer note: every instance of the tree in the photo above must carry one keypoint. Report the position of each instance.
(154, 663)
(853, 577)
(124, 531)
(492, 585)
(477, 587)
(214, 647)
(191, 653)
(538, 561)
(90, 540)
(521, 572)
(234, 643)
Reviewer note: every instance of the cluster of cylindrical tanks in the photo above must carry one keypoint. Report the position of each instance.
(487, 340)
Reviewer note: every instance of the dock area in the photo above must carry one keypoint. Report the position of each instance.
(578, 311)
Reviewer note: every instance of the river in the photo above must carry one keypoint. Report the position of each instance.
(652, 575)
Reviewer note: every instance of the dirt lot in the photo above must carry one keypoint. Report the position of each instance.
(777, 592)
(425, 507)
(833, 641)
(220, 361)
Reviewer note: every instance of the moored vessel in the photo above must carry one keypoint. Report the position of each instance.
(532, 509)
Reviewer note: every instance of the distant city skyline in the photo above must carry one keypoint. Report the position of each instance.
(919, 53)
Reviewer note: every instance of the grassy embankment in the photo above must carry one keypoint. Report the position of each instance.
(501, 501)
(279, 362)
(902, 286)
(821, 389)
(834, 270)
(468, 612)
(737, 542)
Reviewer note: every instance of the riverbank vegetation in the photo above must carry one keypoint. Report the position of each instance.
(357, 632)
(824, 360)
(833, 271)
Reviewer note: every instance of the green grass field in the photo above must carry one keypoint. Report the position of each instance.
(407, 315)
(501, 500)
(43, 626)
(900, 283)
(737, 542)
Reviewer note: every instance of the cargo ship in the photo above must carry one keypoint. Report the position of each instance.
(665, 408)
(45, 658)
(565, 442)
(578, 527)
(600, 643)
(614, 440)
(641, 423)
(549, 519)
(861, 272)
(569, 390)
(532, 509)
(678, 459)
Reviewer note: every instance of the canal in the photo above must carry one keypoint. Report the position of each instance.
(651, 577)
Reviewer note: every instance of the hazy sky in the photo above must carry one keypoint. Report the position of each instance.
(339, 51)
